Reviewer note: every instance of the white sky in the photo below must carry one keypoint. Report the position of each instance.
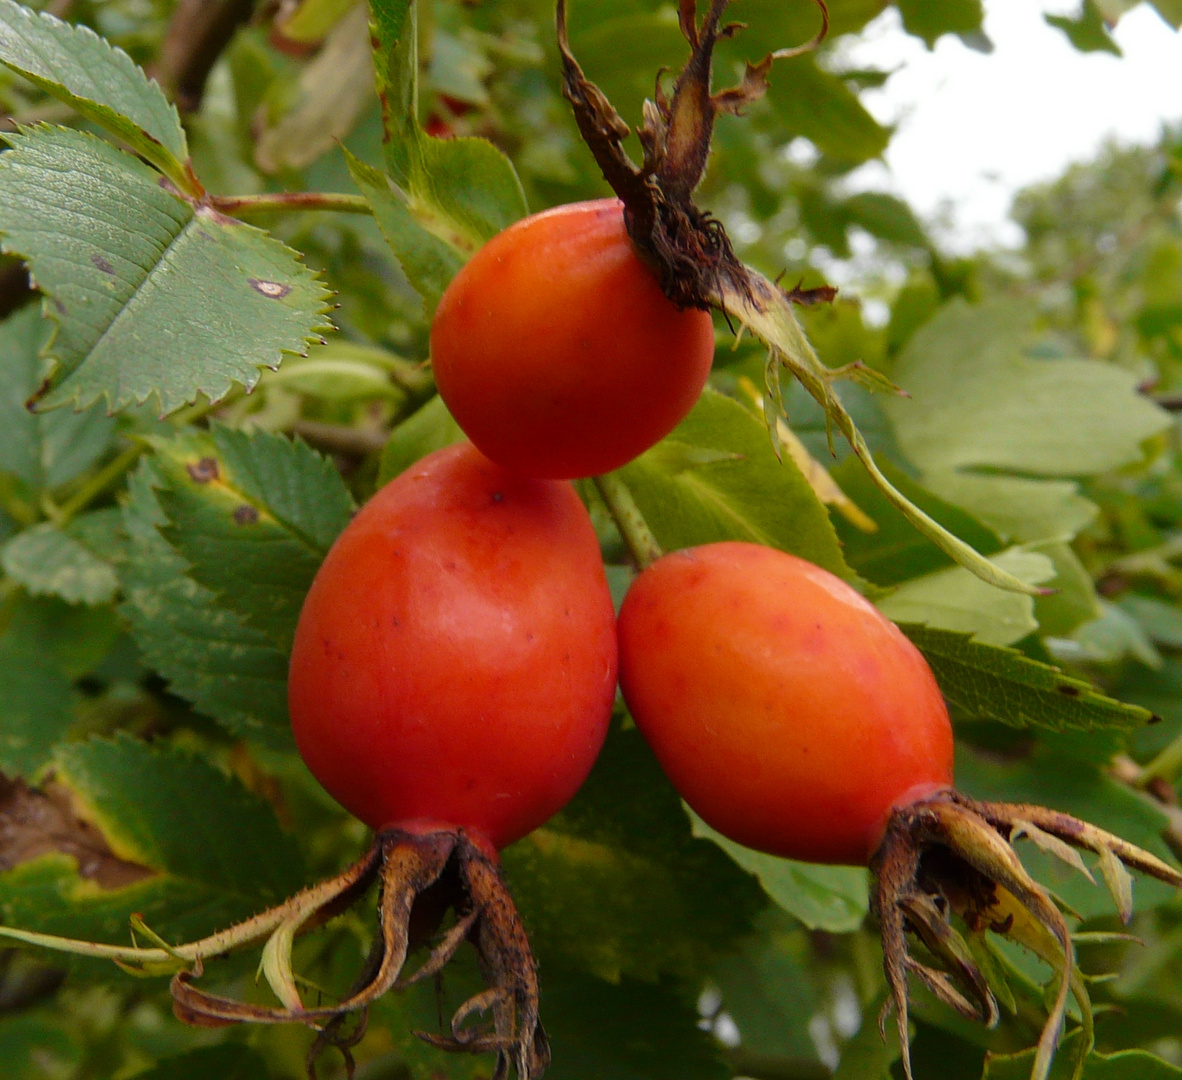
(974, 128)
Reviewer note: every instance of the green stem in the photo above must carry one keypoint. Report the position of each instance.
(628, 518)
(283, 201)
(1166, 766)
(108, 475)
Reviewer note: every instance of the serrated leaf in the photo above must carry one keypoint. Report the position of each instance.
(151, 297)
(101, 82)
(210, 657)
(428, 262)
(36, 706)
(214, 853)
(990, 682)
(980, 401)
(462, 191)
(716, 477)
(833, 898)
(254, 515)
(957, 599)
(42, 451)
(49, 561)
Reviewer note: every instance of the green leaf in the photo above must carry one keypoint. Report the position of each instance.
(1125, 1065)
(1160, 620)
(428, 261)
(833, 898)
(151, 297)
(988, 682)
(1018, 508)
(459, 192)
(1087, 31)
(1169, 10)
(335, 86)
(431, 428)
(101, 82)
(929, 20)
(979, 401)
(766, 989)
(49, 450)
(818, 105)
(1074, 601)
(36, 706)
(1045, 776)
(616, 884)
(49, 561)
(868, 1056)
(626, 1030)
(34, 1042)
(75, 638)
(886, 218)
(716, 477)
(956, 599)
(211, 852)
(897, 551)
(254, 515)
(210, 657)
(231, 1061)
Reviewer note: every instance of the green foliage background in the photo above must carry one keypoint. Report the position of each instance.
(213, 433)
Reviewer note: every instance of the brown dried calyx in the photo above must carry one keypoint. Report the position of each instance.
(951, 855)
(420, 877)
(688, 248)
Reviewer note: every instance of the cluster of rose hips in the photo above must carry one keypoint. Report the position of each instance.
(456, 659)
(455, 665)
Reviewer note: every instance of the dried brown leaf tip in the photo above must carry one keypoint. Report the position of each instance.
(688, 249)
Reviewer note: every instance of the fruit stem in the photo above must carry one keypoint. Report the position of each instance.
(282, 201)
(628, 518)
(1166, 766)
(99, 482)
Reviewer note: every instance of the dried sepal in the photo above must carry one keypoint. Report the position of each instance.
(952, 855)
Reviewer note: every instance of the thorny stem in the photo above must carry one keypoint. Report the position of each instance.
(628, 518)
(284, 201)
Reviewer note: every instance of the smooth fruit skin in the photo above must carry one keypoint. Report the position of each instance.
(787, 711)
(455, 660)
(556, 351)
